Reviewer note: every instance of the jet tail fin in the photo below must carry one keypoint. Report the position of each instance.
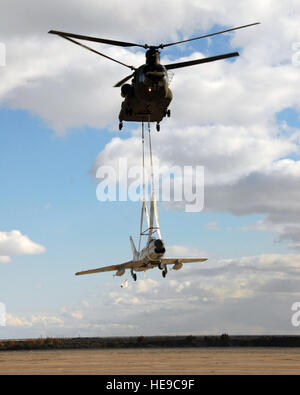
(134, 250)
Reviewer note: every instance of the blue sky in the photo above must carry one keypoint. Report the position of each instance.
(48, 191)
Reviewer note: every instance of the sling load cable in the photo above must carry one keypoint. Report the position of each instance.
(151, 160)
(144, 187)
(153, 205)
(144, 206)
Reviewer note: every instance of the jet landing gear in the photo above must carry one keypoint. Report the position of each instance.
(163, 268)
(133, 275)
(158, 127)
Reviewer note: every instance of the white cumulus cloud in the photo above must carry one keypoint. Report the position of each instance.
(14, 243)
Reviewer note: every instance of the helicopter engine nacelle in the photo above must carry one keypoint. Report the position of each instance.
(120, 272)
(125, 90)
(177, 266)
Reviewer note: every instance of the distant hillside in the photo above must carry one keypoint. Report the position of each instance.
(150, 341)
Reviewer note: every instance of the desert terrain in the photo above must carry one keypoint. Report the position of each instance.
(179, 361)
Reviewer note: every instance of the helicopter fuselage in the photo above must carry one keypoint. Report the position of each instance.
(148, 96)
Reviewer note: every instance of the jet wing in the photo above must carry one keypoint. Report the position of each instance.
(173, 261)
(125, 265)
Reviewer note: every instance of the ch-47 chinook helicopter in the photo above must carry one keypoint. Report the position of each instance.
(148, 96)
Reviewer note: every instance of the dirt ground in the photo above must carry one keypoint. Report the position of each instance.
(153, 361)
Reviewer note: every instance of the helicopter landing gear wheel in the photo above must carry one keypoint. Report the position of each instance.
(167, 113)
(120, 125)
(158, 127)
(164, 273)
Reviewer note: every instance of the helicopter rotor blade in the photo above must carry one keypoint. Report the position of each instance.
(97, 52)
(208, 35)
(199, 61)
(120, 83)
(98, 39)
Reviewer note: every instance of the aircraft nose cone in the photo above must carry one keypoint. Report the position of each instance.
(159, 246)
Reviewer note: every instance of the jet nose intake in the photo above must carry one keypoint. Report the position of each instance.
(159, 247)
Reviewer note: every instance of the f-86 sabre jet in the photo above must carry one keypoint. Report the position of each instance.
(152, 255)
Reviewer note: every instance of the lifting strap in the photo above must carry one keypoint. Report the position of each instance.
(153, 205)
